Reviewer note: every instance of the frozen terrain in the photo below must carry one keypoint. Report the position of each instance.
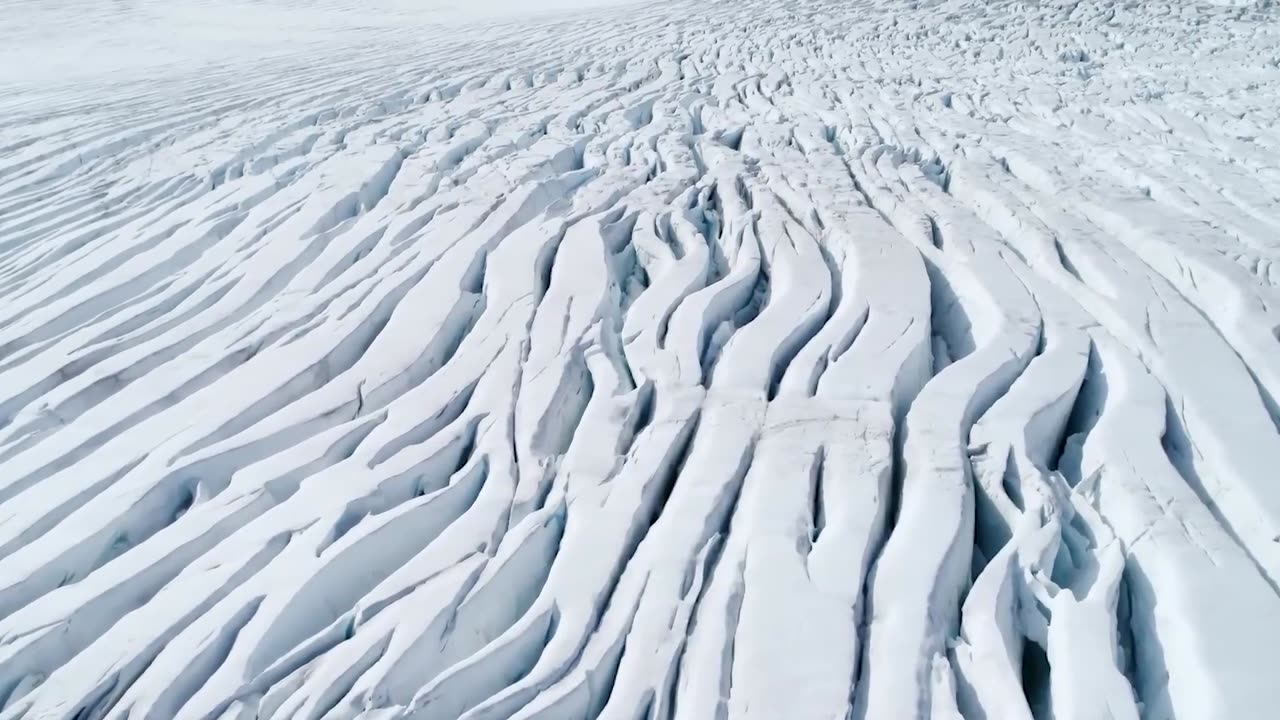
(799, 360)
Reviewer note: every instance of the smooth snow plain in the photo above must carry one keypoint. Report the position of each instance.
(774, 360)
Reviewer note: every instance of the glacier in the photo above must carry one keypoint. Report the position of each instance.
(723, 360)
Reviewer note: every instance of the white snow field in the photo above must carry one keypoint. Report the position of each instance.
(782, 360)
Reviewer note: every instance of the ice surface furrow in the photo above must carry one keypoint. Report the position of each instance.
(621, 359)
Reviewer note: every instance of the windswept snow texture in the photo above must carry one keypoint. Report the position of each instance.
(774, 360)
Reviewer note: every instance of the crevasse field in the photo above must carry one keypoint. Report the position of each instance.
(740, 359)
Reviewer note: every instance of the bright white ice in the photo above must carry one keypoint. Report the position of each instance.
(782, 360)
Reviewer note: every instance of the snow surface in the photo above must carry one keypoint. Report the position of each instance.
(772, 360)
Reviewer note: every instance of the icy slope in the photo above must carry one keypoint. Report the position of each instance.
(771, 360)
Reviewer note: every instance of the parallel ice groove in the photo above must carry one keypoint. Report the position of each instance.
(680, 361)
